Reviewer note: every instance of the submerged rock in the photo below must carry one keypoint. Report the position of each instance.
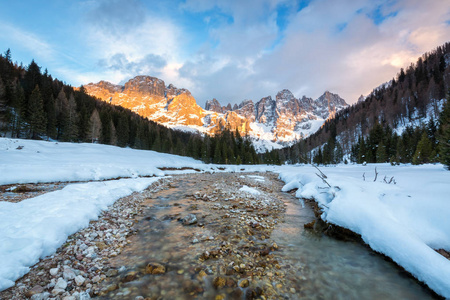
(190, 219)
(155, 269)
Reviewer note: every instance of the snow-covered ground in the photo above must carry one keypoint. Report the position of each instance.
(36, 227)
(405, 221)
(23, 161)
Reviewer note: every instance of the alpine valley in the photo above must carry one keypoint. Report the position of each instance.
(270, 123)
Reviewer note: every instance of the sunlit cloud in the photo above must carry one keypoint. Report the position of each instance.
(235, 50)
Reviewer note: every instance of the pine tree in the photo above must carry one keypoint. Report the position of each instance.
(423, 150)
(381, 153)
(318, 158)
(113, 133)
(206, 150)
(217, 153)
(18, 105)
(51, 117)
(444, 135)
(123, 131)
(71, 123)
(62, 112)
(36, 121)
(157, 145)
(338, 153)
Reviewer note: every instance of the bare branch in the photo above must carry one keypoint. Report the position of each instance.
(323, 179)
(376, 174)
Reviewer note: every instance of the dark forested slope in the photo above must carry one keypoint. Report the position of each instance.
(34, 105)
(390, 123)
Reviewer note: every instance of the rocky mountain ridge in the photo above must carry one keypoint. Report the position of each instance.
(269, 122)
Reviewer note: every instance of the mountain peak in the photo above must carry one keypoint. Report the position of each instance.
(280, 120)
(285, 96)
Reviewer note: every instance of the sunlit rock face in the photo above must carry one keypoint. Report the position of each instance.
(269, 122)
(173, 107)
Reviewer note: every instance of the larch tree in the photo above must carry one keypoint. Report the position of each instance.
(95, 127)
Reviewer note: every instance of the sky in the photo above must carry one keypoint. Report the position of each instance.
(229, 50)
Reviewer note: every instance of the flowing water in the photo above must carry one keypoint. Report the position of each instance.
(308, 265)
(334, 269)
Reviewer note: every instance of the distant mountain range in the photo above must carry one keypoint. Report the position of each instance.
(270, 123)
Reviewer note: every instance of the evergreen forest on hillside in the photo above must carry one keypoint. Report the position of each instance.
(414, 101)
(33, 105)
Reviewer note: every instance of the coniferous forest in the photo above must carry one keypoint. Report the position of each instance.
(364, 132)
(33, 105)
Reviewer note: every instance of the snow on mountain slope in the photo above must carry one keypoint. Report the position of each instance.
(270, 123)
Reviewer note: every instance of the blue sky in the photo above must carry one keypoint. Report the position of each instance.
(229, 50)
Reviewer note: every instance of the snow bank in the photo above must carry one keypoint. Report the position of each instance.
(405, 221)
(36, 227)
(27, 161)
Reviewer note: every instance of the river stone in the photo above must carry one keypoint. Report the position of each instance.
(219, 282)
(155, 269)
(84, 296)
(244, 283)
(37, 289)
(112, 272)
(56, 291)
(130, 276)
(54, 271)
(42, 296)
(61, 284)
(79, 280)
(190, 219)
(68, 273)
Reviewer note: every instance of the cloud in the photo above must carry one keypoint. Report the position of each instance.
(149, 64)
(127, 39)
(348, 47)
(117, 17)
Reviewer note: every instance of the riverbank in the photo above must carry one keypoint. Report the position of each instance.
(211, 236)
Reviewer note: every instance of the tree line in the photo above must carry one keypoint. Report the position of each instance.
(33, 105)
(365, 130)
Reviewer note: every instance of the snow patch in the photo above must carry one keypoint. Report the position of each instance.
(249, 190)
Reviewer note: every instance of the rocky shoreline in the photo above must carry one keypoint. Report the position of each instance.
(75, 270)
(223, 247)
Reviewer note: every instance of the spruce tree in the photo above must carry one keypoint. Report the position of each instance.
(381, 153)
(61, 110)
(71, 122)
(36, 120)
(423, 150)
(217, 153)
(51, 117)
(444, 135)
(123, 131)
(206, 150)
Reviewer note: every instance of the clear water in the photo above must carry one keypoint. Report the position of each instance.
(316, 266)
(334, 269)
